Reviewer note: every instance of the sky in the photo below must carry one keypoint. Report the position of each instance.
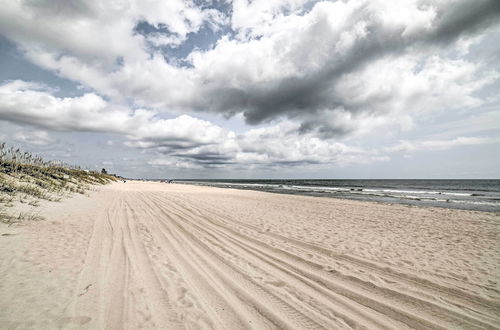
(255, 89)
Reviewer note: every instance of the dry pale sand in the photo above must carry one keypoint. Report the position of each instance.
(158, 256)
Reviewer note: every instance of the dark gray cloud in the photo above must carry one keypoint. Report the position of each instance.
(324, 130)
(302, 96)
(205, 158)
(67, 8)
(465, 17)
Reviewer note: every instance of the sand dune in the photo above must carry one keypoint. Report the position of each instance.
(159, 256)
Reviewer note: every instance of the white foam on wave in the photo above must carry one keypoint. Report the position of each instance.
(473, 202)
(375, 192)
(426, 192)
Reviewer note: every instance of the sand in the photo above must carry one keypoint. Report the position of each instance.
(169, 256)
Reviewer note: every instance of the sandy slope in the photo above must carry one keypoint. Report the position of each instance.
(151, 255)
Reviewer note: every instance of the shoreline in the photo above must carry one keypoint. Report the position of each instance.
(153, 255)
(407, 202)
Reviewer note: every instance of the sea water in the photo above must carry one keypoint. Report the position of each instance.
(477, 195)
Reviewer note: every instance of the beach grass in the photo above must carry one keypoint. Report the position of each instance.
(26, 179)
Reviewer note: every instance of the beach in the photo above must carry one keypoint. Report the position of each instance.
(153, 255)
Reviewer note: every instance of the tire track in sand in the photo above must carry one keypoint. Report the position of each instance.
(275, 278)
(165, 260)
(117, 277)
(388, 299)
(453, 295)
(246, 304)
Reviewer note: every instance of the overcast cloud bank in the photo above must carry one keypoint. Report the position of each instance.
(320, 79)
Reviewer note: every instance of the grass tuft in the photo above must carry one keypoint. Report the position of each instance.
(28, 178)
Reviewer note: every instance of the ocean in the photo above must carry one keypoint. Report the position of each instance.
(476, 195)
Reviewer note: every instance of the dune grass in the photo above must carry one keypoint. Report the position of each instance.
(27, 178)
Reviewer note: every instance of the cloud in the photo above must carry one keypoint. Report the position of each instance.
(438, 145)
(314, 72)
(272, 147)
(29, 103)
(286, 63)
(287, 147)
(301, 65)
(255, 17)
(186, 141)
(39, 138)
(105, 30)
(465, 17)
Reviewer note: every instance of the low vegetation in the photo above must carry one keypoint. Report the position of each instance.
(27, 179)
